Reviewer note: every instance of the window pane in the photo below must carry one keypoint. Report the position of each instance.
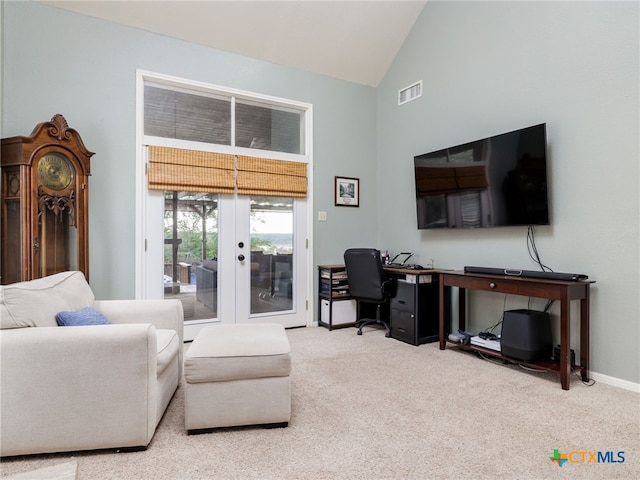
(267, 128)
(271, 226)
(185, 116)
(191, 252)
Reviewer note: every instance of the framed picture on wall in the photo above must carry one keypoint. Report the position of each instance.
(347, 192)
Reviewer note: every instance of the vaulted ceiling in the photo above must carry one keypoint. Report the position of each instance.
(349, 40)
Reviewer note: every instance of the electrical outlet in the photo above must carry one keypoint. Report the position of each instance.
(322, 216)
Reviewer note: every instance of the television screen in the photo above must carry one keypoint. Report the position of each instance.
(493, 182)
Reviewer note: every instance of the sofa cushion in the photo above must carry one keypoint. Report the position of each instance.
(82, 317)
(35, 303)
(168, 346)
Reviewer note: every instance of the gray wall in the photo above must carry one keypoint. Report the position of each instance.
(493, 67)
(60, 62)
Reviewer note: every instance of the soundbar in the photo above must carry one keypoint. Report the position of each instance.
(514, 272)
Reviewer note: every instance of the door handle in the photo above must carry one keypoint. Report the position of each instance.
(241, 257)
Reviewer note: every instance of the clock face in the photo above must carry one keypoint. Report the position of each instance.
(55, 171)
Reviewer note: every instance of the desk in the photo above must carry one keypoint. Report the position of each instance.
(413, 311)
(562, 291)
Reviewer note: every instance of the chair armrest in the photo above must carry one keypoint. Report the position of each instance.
(390, 287)
(92, 387)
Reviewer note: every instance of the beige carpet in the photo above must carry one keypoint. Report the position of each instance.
(369, 407)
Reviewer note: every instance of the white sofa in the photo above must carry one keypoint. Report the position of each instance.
(83, 387)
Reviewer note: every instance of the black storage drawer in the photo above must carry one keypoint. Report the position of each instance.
(403, 326)
(405, 297)
(414, 313)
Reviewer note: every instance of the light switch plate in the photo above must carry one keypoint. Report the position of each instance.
(322, 216)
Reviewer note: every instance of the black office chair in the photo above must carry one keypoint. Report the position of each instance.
(369, 284)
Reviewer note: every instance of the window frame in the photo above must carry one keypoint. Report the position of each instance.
(144, 77)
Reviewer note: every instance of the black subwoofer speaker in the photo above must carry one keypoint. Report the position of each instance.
(526, 335)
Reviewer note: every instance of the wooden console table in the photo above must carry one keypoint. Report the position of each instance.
(563, 291)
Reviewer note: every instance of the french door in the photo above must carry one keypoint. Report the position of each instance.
(270, 260)
(228, 258)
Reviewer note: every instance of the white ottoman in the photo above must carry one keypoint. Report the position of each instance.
(238, 375)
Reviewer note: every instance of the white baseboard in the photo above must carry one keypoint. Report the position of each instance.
(616, 382)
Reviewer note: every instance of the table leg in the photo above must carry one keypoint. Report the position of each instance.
(584, 335)
(462, 309)
(442, 312)
(565, 341)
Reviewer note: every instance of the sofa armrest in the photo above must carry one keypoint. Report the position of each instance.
(165, 314)
(77, 388)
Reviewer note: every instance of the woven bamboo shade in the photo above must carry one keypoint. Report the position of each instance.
(190, 170)
(263, 176)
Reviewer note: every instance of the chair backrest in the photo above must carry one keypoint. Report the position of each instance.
(365, 274)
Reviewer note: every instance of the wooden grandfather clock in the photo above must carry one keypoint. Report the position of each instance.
(45, 193)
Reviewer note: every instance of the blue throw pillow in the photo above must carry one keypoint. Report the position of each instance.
(86, 316)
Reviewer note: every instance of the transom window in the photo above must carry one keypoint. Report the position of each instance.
(177, 112)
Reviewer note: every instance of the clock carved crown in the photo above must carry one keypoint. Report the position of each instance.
(59, 128)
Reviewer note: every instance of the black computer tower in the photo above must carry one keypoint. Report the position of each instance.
(526, 335)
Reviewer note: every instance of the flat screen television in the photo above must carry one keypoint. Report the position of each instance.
(494, 182)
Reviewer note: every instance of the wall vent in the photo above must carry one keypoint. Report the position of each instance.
(410, 93)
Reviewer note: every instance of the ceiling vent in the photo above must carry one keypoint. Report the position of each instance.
(410, 93)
